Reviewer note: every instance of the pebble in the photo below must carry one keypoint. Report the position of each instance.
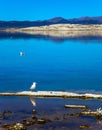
(17, 126)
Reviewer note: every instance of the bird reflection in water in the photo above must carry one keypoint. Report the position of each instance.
(33, 101)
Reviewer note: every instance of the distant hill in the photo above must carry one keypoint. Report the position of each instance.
(56, 20)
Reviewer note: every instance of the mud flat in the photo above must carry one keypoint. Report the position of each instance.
(59, 94)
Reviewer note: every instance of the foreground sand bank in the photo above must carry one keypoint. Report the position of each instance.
(59, 94)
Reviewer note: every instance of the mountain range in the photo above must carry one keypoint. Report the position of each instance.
(56, 20)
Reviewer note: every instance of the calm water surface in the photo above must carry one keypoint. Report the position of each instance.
(70, 65)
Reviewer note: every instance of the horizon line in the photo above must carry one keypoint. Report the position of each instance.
(51, 18)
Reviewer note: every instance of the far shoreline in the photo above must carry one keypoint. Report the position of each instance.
(59, 30)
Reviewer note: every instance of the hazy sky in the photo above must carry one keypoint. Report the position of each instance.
(45, 9)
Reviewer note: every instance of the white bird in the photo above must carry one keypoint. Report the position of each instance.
(33, 86)
(21, 53)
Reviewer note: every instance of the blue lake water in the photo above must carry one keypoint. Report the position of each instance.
(70, 65)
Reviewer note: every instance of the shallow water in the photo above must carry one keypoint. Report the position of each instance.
(49, 109)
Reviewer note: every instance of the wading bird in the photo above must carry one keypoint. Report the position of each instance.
(33, 86)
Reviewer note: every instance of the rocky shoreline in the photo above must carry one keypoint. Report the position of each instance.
(35, 119)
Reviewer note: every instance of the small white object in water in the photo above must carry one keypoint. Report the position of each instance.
(33, 86)
(21, 53)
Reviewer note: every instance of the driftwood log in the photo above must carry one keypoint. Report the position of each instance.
(75, 106)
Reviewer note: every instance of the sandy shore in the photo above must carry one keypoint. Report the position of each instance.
(61, 30)
(54, 94)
